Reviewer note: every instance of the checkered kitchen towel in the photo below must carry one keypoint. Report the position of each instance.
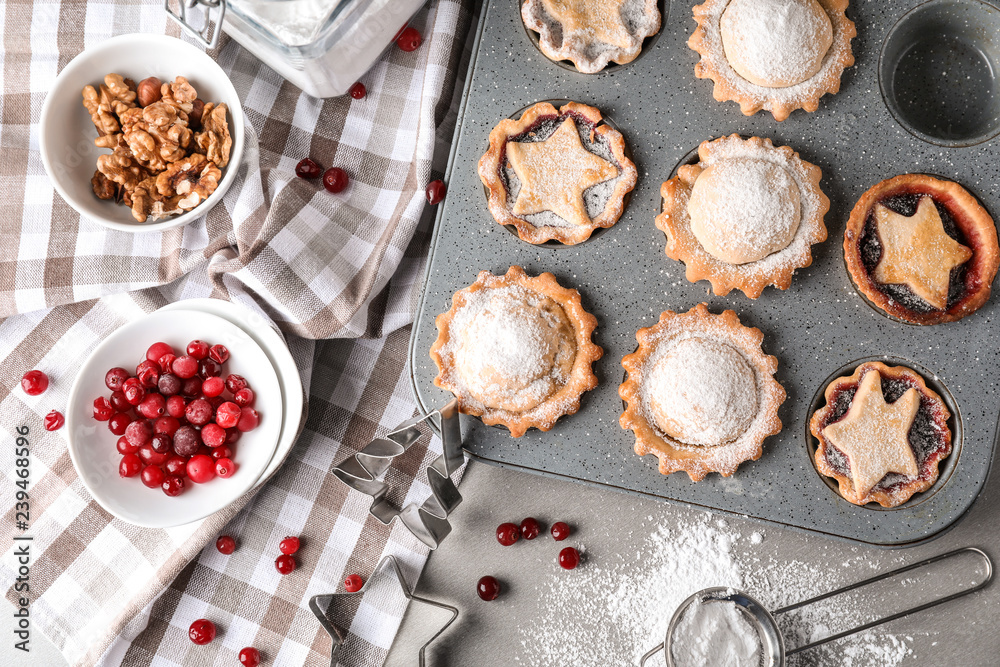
(318, 265)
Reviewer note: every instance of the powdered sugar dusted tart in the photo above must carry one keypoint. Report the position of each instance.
(591, 33)
(776, 55)
(516, 350)
(882, 434)
(745, 217)
(557, 174)
(700, 393)
(922, 249)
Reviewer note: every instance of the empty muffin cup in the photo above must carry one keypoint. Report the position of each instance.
(939, 72)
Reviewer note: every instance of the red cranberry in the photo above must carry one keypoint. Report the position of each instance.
(225, 545)
(221, 453)
(119, 422)
(569, 558)
(249, 419)
(191, 387)
(186, 441)
(169, 384)
(185, 367)
(118, 401)
(235, 382)
(153, 406)
(560, 531)
(134, 391)
(212, 386)
(228, 415)
(151, 476)
(148, 373)
(166, 426)
(358, 91)
(233, 436)
(244, 397)
(115, 378)
(54, 421)
(157, 350)
(488, 588)
(202, 631)
(213, 435)
(166, 362)
(225, 468)
(285, 564)
(201, 468)
(289, 545)
(198, 412)
(129, 466)
(215, 402)
(249, 657)
(530, 528)
(335, 179)
(435, 192)
(219, 354)
(161, 443)
(151, 457)
(198, 349)
(125, 447)
(176, 406)
(102, 409)
(209, 368)
(176, 466)
(139, 432)
(400, 31)
(353, 583)
(409, 39)
(173, 486)
(508, 533)
(306, 168)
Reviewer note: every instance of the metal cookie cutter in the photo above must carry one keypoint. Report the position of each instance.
(428, 522)
(320, 604)
(772, 642)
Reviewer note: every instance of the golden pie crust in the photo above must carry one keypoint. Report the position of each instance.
(555, 181)
(927, 432)
(971, 226)
(591, 33)
(699, 329)
(707, 40)
(516, 350)
(752, 277)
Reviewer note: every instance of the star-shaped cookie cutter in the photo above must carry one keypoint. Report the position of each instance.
(428, 522)
(320, 604)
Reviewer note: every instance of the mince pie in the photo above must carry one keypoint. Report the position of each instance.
(700, 393)
(516, 350)
(922, 249)
(745, 217)
(776, 55)
(882, 434)
(556, 174)
(591, 33)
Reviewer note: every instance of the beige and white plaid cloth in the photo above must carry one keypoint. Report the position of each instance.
(319, 266)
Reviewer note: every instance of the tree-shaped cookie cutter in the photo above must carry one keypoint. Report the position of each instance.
(428, 522)
(320, 605)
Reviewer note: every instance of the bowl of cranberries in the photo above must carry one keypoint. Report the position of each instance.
(173, 417)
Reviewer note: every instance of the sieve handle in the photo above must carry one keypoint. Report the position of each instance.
(906, 612)
(642, 661)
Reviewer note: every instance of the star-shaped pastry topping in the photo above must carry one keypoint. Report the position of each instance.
(875, 435)
(917, 252)
(555, 173)
(601, 20)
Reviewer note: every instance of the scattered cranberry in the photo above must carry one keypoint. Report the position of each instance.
(148, 373)
(335, 179)
(227, 415)
(569, 558)
(225, 468)
(191, 387)
(157, 350)
(530, 528)
(153, 406)
(236, 382)
(176, 405)
(201, 468)
(115, 378)
(209, 368)
(202, 631)
(130, 466)
(138, 432)
(289, 545)
(249, 657)
(225, 545)
(285, 564)
(219, 354)
(186, 441)
(185, 367)
(508, 533)
(488, 588)
(102, 409)
(119, 422)
(151, 476)
(244, 397)
(166, 426)
(198, 412)
(166, 362)
(152, 457)
(176, 466)
(169, 384)
(306, 168)
(435, 192)
(213, 386)
(173, 486)
(134, 391)
(409, 39)
(118, 401)
(126, 447)
(213, 435)
(198, 349)
(161, 443)
(222, 452)
(249, 419)
(358, 91)
(560, 531)
(353, 583)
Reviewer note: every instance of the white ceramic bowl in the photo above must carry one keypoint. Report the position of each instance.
(66, 133)
(92, 445)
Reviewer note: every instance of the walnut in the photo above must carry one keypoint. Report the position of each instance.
(195, 178)
(122, 168)
(148, 91)
(122, 96)
(102, 116)
(179, 94)
(214, 140)
(156, 134)
(110, 98)
(104, 188)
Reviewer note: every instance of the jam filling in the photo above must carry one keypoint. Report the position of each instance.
(926, 437)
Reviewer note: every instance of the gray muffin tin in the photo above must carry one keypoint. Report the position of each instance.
(818, 329)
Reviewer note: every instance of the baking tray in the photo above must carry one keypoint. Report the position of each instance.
(819, 328)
